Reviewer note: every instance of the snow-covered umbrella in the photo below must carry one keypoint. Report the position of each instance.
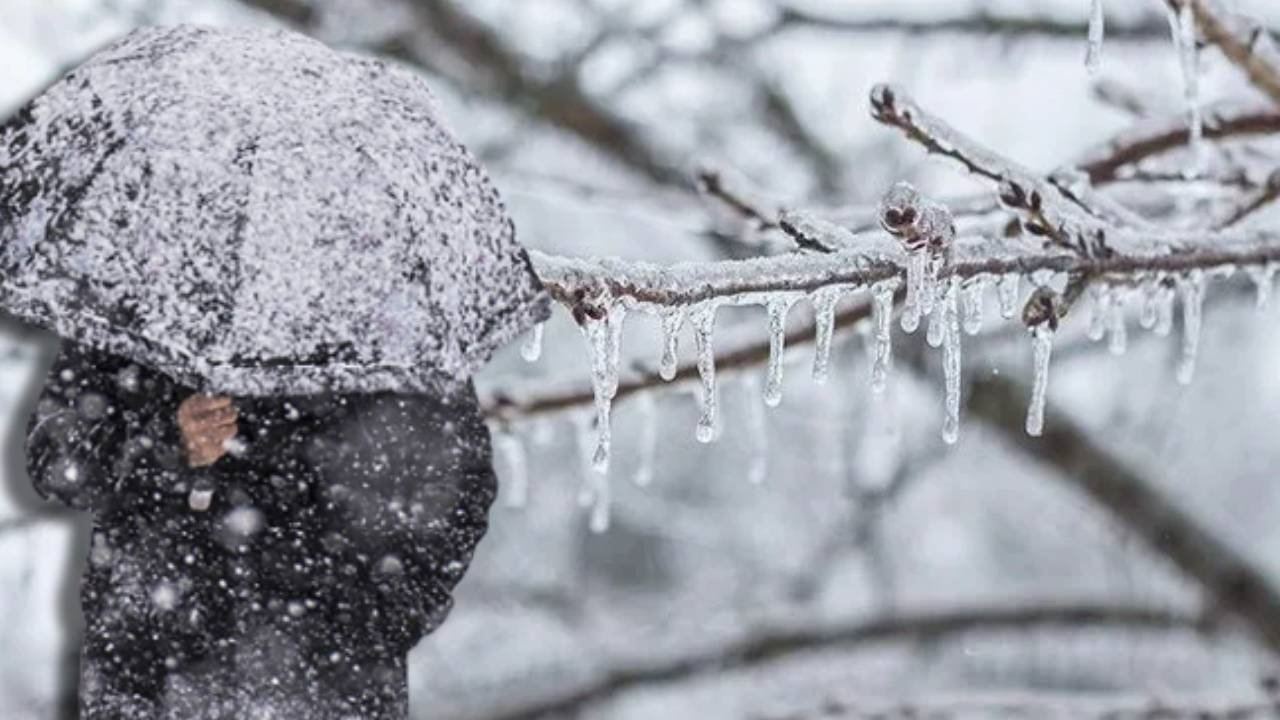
(256, 214)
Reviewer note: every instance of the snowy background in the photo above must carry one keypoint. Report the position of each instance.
(863, 513)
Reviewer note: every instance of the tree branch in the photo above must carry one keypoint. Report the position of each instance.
(1243, 41)
(771, 645)
(1232, 583)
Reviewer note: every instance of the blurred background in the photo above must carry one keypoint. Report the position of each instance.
(829, 557)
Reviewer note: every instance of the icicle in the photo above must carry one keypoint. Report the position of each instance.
(672, 321)
(1100, 301)
(1191, 288)
(1182, 24)
(929, 285)
(602, 340)
(824, 317)
(514, 460)
(1007, 291)
(1164, 310)
(758, 430)
(646, 406)
(937, 328)
(911, 306)
(1097, 32)
(777, 309)
(882, 315)
(951, 360)
(613, 346)
(972, 296)
(704, 322)
(1116, 325)
(531, 350)
(1042, 349)
(1262, 276)
(1150, 303)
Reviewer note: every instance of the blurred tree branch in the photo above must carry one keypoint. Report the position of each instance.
(774, 644)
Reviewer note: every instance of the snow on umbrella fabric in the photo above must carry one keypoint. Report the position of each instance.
(256, 214)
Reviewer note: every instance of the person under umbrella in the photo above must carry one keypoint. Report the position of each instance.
(273, 272)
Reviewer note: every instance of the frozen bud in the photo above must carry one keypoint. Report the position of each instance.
(884, 102)
(1044, 306)
(899, 209)
(935, 229)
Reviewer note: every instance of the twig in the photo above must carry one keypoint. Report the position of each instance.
(1243, 41)
(1160, 135)
(981, 23)
(1258, 200)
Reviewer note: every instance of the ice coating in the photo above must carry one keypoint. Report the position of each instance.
(255, 214)
(1041, 350)
(601, 336)
(1099, 307)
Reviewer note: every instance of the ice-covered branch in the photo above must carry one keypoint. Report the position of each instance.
(774, 644)
(1155, 136)
(980, 23)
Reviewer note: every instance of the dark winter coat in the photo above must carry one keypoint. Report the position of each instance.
(328, 546)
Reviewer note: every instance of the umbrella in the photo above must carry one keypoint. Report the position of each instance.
(254, 213)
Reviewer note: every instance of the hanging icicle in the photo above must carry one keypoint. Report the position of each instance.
(1119, 336)
(882, 317)
(1097, 33)
(1007, 292)
(1150, 303)
(672, 321)
(917, 261)
(1042, 349)
(1164, 310)
(972, 296)
(937, 328)
(824, 316)
(777, 309)
(1182, 24)
(514, 463)
(1099, 308)
(704, 322)
(1263, 277)
(602, 341)
(1191, 288)
(951, 360)
(531, 350)
(646, 408)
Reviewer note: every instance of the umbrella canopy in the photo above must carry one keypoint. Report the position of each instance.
(256, 214)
